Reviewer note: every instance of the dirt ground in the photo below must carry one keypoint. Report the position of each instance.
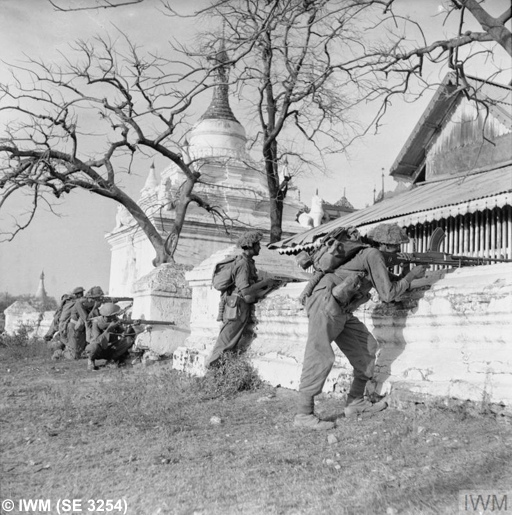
(145, 440)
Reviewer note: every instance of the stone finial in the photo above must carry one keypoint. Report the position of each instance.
(151, 181)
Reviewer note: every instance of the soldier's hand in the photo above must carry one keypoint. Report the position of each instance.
(405, 256)
(113, 325)
(416, 272)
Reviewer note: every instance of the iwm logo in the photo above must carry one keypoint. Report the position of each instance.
(485, 502)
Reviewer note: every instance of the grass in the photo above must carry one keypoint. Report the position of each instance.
(145, 435)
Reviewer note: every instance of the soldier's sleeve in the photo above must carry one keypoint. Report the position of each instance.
(242, 275)
(81, 312)
(379, 276)
(98, 335)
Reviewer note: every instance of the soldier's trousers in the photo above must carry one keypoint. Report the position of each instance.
(75, 342)
(327, 323)
(113, 352)
(231, 332)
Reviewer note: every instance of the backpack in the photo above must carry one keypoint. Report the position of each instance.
(222, 278)
(336, 248)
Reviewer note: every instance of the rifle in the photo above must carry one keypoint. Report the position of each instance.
(112, 299)
(438, 258)
(434, 257)
(142, 321)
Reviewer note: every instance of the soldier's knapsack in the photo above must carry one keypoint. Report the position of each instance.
(336, 248)
(222, 278)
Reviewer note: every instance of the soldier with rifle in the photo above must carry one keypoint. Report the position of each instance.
(84, 309)
(112, 337)
(245, 291)
(110, 340)
(330, 310)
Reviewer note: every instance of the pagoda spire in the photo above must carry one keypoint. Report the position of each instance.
(219, 107)
(151, 181)
(41, 295)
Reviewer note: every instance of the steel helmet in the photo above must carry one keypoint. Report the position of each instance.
(109, 309)
(390, 234)
(95, 291)
(249, 238)
(78, 289)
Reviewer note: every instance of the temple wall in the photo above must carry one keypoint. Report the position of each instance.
(163, 295)
(452, 338)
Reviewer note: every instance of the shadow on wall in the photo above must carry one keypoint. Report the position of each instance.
(389, 321)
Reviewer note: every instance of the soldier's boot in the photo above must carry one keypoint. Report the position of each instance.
(362, 406)
(312, 422)
(57, 354)
(91, 365)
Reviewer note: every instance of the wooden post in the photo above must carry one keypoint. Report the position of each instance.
(478, 235)
(456, 234)
(487, 233)
(471, 235)
(509, 232)
(500, 251)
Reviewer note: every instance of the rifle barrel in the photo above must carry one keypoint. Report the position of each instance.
(142, 321)
(441, 259)
(450, 259)
(484, 259)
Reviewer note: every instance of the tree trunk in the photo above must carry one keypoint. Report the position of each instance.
(275, 198)
(154, 237)
(493, 26)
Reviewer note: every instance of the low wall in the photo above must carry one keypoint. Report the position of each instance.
(451, 338)
(22, 313)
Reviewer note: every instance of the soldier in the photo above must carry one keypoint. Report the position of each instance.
(246, 290)
(331, 319)
(79, 326)
(54, 326)
(63, 349)
(110, 339)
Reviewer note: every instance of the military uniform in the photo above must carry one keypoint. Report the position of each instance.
(245, 275)
(79, 325)
(110, 343)
(329, 322)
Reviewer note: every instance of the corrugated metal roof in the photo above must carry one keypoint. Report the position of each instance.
(425, 202)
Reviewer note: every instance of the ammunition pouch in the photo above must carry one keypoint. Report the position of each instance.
(350, 293)
(232, 308)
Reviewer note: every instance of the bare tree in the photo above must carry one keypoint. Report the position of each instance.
(287, 81)
(302, 66)
(70, 5)
(82, 125)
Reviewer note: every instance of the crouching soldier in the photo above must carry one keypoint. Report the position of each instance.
(111, 339)
(331, 318)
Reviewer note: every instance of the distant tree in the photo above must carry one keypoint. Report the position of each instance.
(82, 125)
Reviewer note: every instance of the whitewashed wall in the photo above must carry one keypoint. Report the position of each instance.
(450, 339)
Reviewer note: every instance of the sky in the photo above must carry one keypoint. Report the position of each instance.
(71, 248)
